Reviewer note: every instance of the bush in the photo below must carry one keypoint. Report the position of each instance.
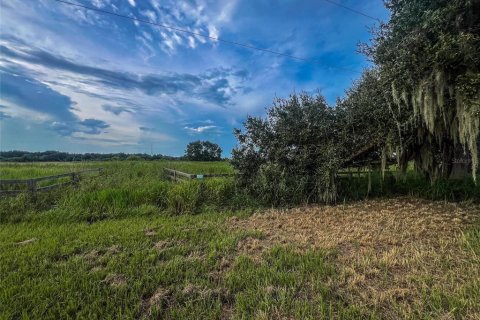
(292, 155)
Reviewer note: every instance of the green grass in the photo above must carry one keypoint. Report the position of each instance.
(286, 285)
(125, 188)
(111, 270)
(132, 244)
(200, 167)
(40, 169)
(69, 272)
(56, 278)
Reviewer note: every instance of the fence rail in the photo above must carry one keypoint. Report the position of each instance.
(31, 185)
(176, 175)
(352, 174)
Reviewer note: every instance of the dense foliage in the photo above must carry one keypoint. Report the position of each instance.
(367, 121)
(428, 54)
(420, 102)
(293, 154)
(203, 151)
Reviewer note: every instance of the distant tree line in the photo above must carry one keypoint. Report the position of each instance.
(26, 156)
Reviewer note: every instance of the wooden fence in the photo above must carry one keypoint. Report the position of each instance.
(176, 175)
(352, 174)
(32, 185)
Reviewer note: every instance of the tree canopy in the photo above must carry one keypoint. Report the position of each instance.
(428, 53)
(420, 102)
(203, 151)
(292, 155)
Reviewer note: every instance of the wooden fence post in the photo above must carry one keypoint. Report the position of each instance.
(32, 187)
(75, 178)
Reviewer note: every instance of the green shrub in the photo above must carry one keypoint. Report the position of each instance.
(291, 155)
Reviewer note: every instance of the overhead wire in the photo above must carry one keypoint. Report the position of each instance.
(352, 10)
(236, 43)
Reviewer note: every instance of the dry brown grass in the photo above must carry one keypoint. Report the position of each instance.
(390, 253)
(27, 241)
(115, 280)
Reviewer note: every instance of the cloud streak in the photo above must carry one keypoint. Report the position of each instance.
(213, 86)
(200, 129)
(87, 126)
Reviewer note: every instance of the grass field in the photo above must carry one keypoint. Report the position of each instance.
(131, 244)
(41, 169)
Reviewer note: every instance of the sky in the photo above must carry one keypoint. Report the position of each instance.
(81, 81)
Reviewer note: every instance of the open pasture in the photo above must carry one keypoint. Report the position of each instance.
(30, 170)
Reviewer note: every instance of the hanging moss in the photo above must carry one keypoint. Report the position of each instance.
(457, 119)
(428, 55)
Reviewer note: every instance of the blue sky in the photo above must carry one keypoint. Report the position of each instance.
(80, 81)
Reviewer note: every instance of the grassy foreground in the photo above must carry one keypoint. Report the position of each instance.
(218, 266)
(147, 267)
(132, 245)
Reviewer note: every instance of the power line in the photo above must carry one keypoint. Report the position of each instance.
(203, 35)
(352, 10)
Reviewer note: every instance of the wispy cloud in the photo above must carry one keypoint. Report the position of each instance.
(87, 126)
(116, 110)
(200, 129)
(138, 84)
(4, 115)
(193, 16)
(213, 86)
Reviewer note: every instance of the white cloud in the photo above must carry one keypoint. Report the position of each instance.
(132, 2)
(149, 14)
(226, 12)
(195, 16)
(212, 31)
(100, 3)
(191, 42)
(200, 129)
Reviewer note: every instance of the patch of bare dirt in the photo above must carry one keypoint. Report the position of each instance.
(387, 251)
(115, 280)
(159, 299)
(92, 256)
(149, 232)
(114, 249)
(27, 241)
(162, 244)
(97, 258)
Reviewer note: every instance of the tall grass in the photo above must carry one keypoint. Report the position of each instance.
(126, 188)
(11, 170)
(412, 184)
(136, 188)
